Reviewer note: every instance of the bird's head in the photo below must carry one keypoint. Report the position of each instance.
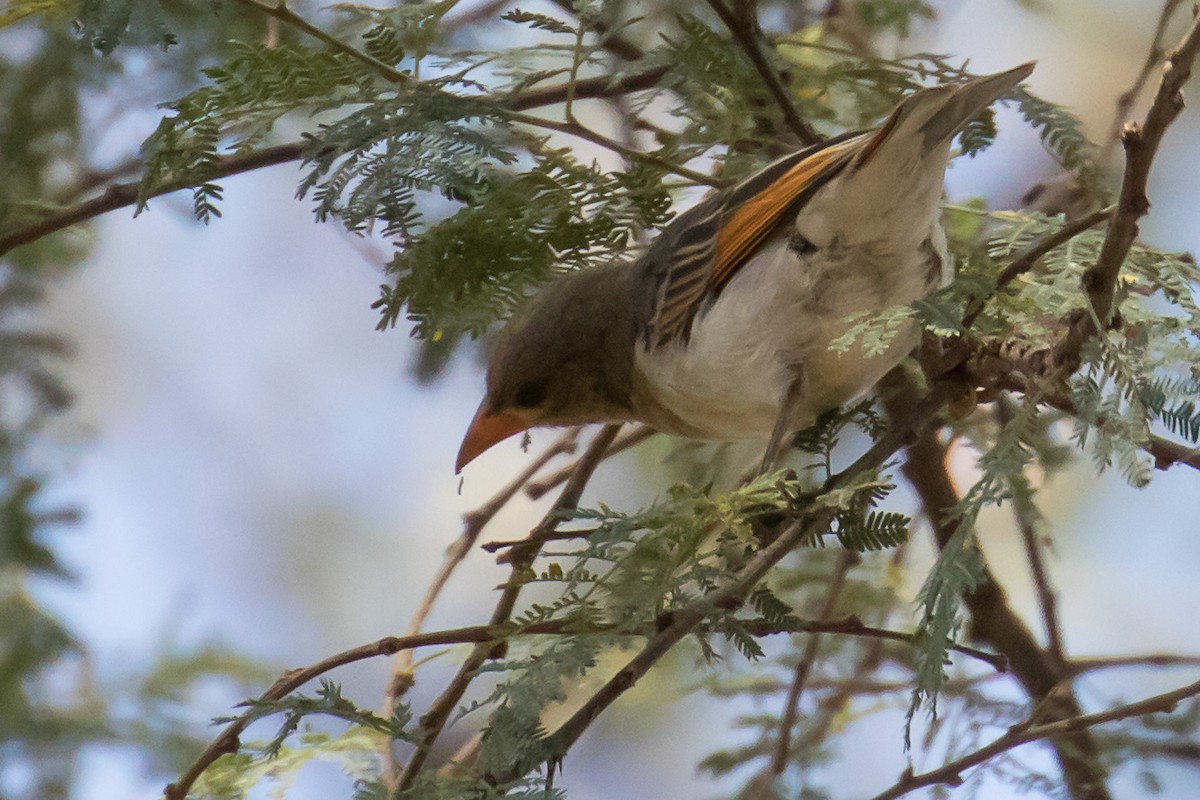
(564, 359)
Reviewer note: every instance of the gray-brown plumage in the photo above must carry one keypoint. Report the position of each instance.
(721, 330)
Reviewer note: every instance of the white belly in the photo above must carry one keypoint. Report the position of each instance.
(773, 323)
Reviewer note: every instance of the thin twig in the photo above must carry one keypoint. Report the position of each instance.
(584, 89)
(1078, 666)
(685, 621)
(281, 12)
(745, 31)
(122, 195)
(436, 717)
(628, 438)
(844, 690)
(228, 740)
(475, 521)
(1028, 518)
(1047, 600)
(853, 626)
(993, 619)
(489, 635)
(950, 774)
(473, 524)
(456, 22)
(791, 706)
(1026, 260)
(587, 134)
(1127, 98)
(1141, 145)
(1166, 452)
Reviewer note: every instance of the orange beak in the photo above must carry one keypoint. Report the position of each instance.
(486, 430)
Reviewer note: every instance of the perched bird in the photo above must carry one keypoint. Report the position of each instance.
(721, 330)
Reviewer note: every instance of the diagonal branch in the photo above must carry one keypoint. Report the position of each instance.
(587, 134)
(685, 621)
(1029, 520)
(1031, 731)
(227, 741)
(1045, 679)
(1026, 260)
(279, 10)
(521, 557)
(628, 438)
(1141, 145)
(473, 525)
(121, 195)
(1166, 453)
(744, 28)
(791, 707)
(1153, 57)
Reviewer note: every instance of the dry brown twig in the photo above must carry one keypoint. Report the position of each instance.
(629, 438)
(992, 618)
(473, 525)
(743, 24)
(950, 774)
(685, 621)
(435, 718)
(791, 708)
(1127, 98)
(227, 741)
(1141, 143)
(1034, 253)
(1029, 520)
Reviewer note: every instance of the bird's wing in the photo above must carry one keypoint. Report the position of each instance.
(701, 250)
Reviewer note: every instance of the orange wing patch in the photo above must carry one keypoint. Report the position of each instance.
(750, 226)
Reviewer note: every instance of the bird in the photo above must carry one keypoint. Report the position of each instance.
(721, 329)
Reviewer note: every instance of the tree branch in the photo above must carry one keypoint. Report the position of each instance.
(1030, 731)
(687, 620)
(227, 741)
(584, 89)
(1141, 145)
(521, 557)
(1127, 98)
(628, 438)
(992, 618)
(1026, 260)
(587, 134)
(121, 195)
(1166, 452)
(853, 626)
(791, 705)
(1078, 666)
(745, 31)
(1028, 518)
(473, 524)
(279, 10)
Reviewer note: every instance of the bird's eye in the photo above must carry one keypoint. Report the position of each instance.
(530, 395)
(800, 244)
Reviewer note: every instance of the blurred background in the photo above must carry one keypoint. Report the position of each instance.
(258, 469)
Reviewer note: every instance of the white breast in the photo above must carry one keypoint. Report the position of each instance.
(773, 322)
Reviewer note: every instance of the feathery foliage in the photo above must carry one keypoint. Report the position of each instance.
(411, 139)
